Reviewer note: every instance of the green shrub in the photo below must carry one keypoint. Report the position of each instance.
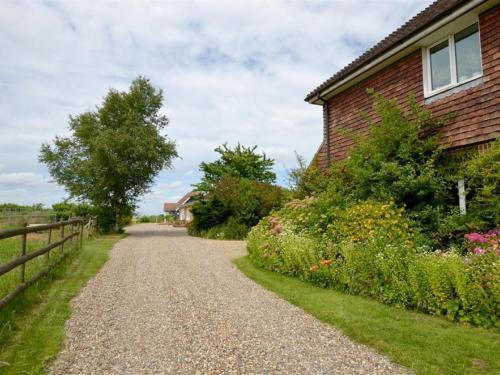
(153, 218)
(208, 212)
(482, 173)
(248, 201)
(399, 159)
(231, 230)
(235, 205)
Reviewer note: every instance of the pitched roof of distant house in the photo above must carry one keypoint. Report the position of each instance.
(426, 17)
(170, 207)
(186, 197)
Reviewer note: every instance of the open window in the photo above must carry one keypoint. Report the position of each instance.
(453, 61)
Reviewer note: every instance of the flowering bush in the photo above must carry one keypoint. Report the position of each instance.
(368, 227)
(483, 243)
(371, 249)
(362, 221)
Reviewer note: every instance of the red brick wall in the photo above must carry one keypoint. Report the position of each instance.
(477, 109)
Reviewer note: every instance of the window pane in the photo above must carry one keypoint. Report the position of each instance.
(440, 65)
(468, 54)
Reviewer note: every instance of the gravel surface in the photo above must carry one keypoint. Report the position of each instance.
(169, 303)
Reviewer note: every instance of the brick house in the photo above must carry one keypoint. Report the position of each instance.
(448, 55)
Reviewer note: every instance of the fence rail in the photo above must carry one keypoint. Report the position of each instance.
(77, 227)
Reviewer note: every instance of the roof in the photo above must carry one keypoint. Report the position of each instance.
(170, 207)
(426, 17)
(186, 197)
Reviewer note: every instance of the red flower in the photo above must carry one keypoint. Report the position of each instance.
(325, 262)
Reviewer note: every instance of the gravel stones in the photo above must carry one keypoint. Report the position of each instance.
(167, 303)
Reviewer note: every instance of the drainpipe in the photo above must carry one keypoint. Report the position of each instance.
(326, 127)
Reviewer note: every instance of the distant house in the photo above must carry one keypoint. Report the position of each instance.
(448, 55)
(181, 210)
(170, 208)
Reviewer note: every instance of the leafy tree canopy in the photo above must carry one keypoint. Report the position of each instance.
(114, 152)
(240, 162)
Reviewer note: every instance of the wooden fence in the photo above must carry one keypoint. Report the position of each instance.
(76, 226)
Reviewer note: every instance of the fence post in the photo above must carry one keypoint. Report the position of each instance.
(47, 255)
(24, 237)
(62, 238)
(81, 234)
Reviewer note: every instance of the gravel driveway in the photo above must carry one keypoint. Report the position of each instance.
(169, 303)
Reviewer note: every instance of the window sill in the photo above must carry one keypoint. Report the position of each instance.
(453, 90)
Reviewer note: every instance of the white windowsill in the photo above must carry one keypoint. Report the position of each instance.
(450, 90)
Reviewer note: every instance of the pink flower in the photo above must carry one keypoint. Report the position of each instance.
(492, 234)
(476, 237)
(479, 250)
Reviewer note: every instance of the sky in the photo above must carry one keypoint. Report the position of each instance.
(231, 71)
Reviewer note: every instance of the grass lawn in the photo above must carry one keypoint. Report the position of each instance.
(9, 250)
(32, 326)
(426, 344)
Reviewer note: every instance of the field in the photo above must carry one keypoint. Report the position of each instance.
(10, 249)
(10, 218)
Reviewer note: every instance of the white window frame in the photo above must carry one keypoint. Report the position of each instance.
(426, 56)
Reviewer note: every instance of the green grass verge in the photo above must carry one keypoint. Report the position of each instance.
(426, 344)
(32, 326)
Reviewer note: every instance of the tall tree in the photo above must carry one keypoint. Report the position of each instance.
(241, 162)
(114, 152)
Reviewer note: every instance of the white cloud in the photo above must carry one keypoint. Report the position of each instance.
(231, 71)
(29, 188)
(21, 178)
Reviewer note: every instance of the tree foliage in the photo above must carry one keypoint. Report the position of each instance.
(295, 175)
(305, 180)
(65, 210)
(237, 192)
(114, 152)
(240, 162)
(235, 202)
(18, 207)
